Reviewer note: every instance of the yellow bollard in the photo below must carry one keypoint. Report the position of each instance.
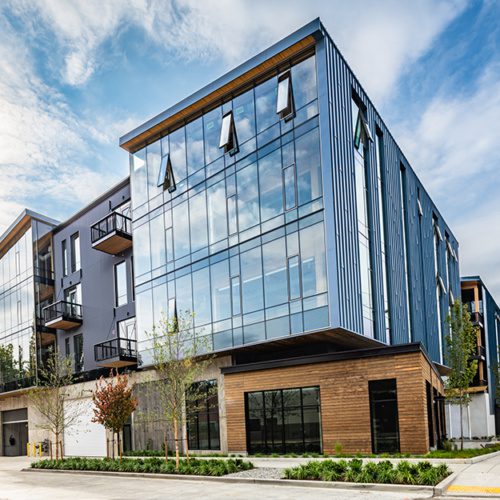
(34, 450)
(28, 449)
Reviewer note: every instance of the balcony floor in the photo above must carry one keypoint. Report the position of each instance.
(114, 243)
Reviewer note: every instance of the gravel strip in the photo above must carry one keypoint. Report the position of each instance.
(260, 473)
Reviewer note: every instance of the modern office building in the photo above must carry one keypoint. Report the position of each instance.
(482, 417)
(276, 206)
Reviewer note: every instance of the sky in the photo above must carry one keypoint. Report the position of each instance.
(76, 75)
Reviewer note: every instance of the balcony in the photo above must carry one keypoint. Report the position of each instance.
(113, 234)
(477, 319)
(116, 353)
(62, 315)
(480, 354)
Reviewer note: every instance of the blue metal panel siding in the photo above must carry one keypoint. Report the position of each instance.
(420, 245)
(492, 312)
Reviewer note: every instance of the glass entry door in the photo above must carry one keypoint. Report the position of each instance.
(283, 421)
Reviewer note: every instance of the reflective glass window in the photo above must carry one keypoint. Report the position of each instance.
(198, 221)
(201, 297)
(275, 276)
(312, 247)
(244, 116)
(144, 311)
(271, 189)
(217, 223)
(183, 296)
(153, 156)
(308, 166)
(180, 214)
(75, 252)
(120, 284)
(304, 82)
(221, 298)
(157, 235)
(142, 253)
(265, 104)
(194, 145)
(139, 178)
(177, 150)
(212, 122)
(251, 277)
(248, 197)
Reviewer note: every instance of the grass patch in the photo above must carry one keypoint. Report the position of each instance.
(153, 465)
(355, 471)
(469, 453)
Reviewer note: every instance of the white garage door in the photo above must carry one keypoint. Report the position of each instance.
(83, 438)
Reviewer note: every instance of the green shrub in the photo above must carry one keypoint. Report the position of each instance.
(422, 473)
(154, 465)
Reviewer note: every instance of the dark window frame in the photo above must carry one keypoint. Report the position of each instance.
(78, 350)
(285, 111)
(115, 276)
(205, 410)
(75, 237)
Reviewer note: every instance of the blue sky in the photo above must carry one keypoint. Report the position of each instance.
(76, 75)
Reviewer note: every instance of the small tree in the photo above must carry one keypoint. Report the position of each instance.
(50, 395)
(114, 403)
(180, 358)
(461, 347)
(8, 365)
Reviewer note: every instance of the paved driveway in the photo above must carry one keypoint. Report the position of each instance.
(17, 485)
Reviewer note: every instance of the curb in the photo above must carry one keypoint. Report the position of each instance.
(271, 482)
(481, 458)
(440, 488)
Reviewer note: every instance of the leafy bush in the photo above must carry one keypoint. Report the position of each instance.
(153, 465)
(421, 473)
(161, 453)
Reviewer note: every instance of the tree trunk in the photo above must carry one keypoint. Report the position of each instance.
(176, 438)
(62, 453)
(119, 445)
(461, 425)
(113, 446)
(57, 445)
(165, 443)
(187, 449)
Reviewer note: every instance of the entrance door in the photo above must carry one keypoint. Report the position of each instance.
(15, 432)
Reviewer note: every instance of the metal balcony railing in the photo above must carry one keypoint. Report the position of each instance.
(66, 310)
(118, 348)
(114, 222)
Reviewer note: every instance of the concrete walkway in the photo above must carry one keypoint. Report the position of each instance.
(481, 479)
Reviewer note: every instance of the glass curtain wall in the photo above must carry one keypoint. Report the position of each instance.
(240, 241)
(16, 310)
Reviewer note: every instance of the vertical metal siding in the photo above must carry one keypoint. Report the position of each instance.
(420, 245)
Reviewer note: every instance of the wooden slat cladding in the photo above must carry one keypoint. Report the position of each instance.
(345, 408)
(235, 85)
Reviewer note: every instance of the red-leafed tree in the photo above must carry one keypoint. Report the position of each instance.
(114, 403)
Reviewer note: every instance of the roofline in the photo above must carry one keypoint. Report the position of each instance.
(22, 219)
(478, 278)
(313, 28)
(334, 356)
(92, 204)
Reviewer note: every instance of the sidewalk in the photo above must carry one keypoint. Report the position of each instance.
(481, 479)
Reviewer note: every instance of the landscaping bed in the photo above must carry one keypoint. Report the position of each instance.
(355, 471)
(149, 465)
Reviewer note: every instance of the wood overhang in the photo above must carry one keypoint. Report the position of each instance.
(234, 86)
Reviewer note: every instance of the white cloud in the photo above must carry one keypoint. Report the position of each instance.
(453, 145)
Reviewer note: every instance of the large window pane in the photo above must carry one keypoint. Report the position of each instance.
(177, 144)
(160, 304)
(308, 165)
(142, 253)
(144, 312)
(201, 297)
(217, 222)
(180, 214)
(251, 276)
(183, 297)
(157, 242)
(212, 125)
(304, 82)
(139, 178)
(121, 284)
(312, 247)
(271, 189)
(221, 297)
(194, 143)
(274, 258)
(248, 197)
(265, 103)
(244, 116)
(153, 153)
(198, 219)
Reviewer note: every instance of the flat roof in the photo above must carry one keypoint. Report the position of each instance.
(140, 134)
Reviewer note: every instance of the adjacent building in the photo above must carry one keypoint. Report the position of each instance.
(481, 418)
